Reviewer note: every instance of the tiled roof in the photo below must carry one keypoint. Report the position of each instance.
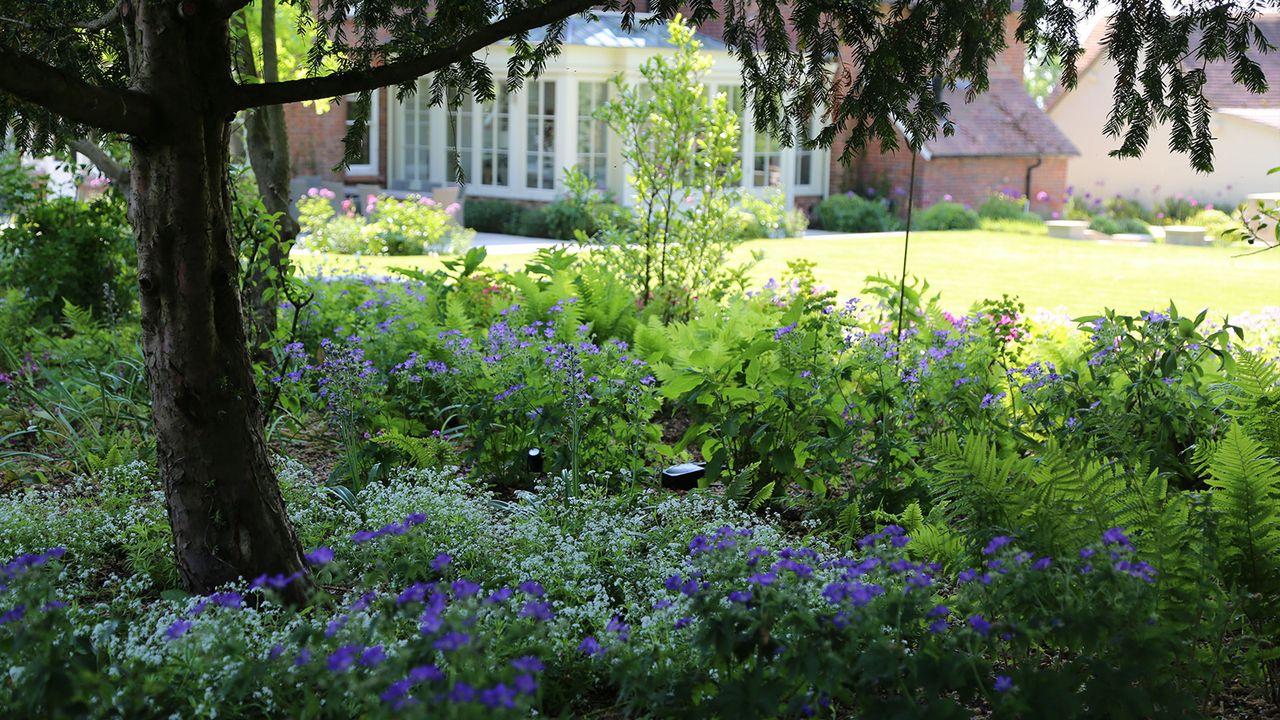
(1223, 94)
(606, 31)
(1003, 121)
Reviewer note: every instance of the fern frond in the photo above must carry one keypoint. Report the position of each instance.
(1246, 490)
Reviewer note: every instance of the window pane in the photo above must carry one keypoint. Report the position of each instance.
(593, 137)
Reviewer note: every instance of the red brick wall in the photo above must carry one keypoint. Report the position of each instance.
(315, 141)
(970, 180)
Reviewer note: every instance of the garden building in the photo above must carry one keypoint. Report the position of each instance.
(517, 146)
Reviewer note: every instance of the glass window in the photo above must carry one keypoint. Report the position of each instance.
(593, 134)
(460, 145)
(495, 140)
(766, 161)
(541, 126)
(807, 159)
(416, 147)
(364, 162)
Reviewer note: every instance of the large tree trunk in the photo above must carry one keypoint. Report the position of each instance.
(228, 517)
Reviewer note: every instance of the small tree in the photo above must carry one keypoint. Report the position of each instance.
(682, 149)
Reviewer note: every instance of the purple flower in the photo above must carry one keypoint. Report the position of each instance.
(740, 596)
(1116, 536)
(783, 331)
(528, 664)
(498, 596)
(531, 587)
(425, 673)
(320, 556)
(175, 631)
(452, 641)
(441, 562)
(537, 610)
(938, 611)
(590, 646)
(980, 625)
(1042, 564)
(525, 684)
(621, 629)
(344, 657)
(499, 695)
(1003, 683)
(372, 656)
(464, 588)
(996, 543)
(938, 627)
(683, 623)
(1086, 552)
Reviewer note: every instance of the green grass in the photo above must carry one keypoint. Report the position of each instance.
(1078, 277)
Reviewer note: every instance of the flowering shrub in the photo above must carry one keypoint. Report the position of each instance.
(947, 216)
(542, 384)
(789, 632)
(388, 226)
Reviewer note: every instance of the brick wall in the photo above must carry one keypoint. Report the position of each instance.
(969, 180)
(315, 141)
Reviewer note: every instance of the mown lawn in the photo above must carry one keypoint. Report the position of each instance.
(1074, 276)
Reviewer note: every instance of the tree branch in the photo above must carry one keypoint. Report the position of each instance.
(100, 23)
(33, 80)
(243, 97)
(116, 171)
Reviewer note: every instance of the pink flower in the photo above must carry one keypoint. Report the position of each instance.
(1208, 206)
(427, 201)
(1159, 216)
(1056, 215)
(1042, 196)
(946, 198)
(1192, 202)
(453, 208)
(327, 193)
(313, 192)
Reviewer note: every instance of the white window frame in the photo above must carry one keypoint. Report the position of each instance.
(370, 168)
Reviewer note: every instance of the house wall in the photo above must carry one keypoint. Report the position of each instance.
(1243, 152)
(315, 142)
(971, 180)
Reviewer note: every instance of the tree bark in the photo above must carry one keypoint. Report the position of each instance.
(225, 507)
(268, 148)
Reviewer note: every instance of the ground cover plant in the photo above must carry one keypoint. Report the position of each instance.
(900, 505)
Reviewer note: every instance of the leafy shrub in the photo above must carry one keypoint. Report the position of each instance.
(852, 213)
(531, 222)
(1173, 210)
(546, 385)
(67, 251)
(999, 206)
(1121, 208)
(493, 216)
(20, 186)
(796, 633)
(323, 229)
(769, 218)
(564, 218)
(413, 226)
(948, 216)
(1217, 224)
(1108, 225)
(389, 226)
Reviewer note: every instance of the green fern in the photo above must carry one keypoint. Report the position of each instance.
(985, 493)
(78, 320)
(1252, 398)
(416, 452)
(1246, 491)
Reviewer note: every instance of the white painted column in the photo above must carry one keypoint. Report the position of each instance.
(566, 126)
